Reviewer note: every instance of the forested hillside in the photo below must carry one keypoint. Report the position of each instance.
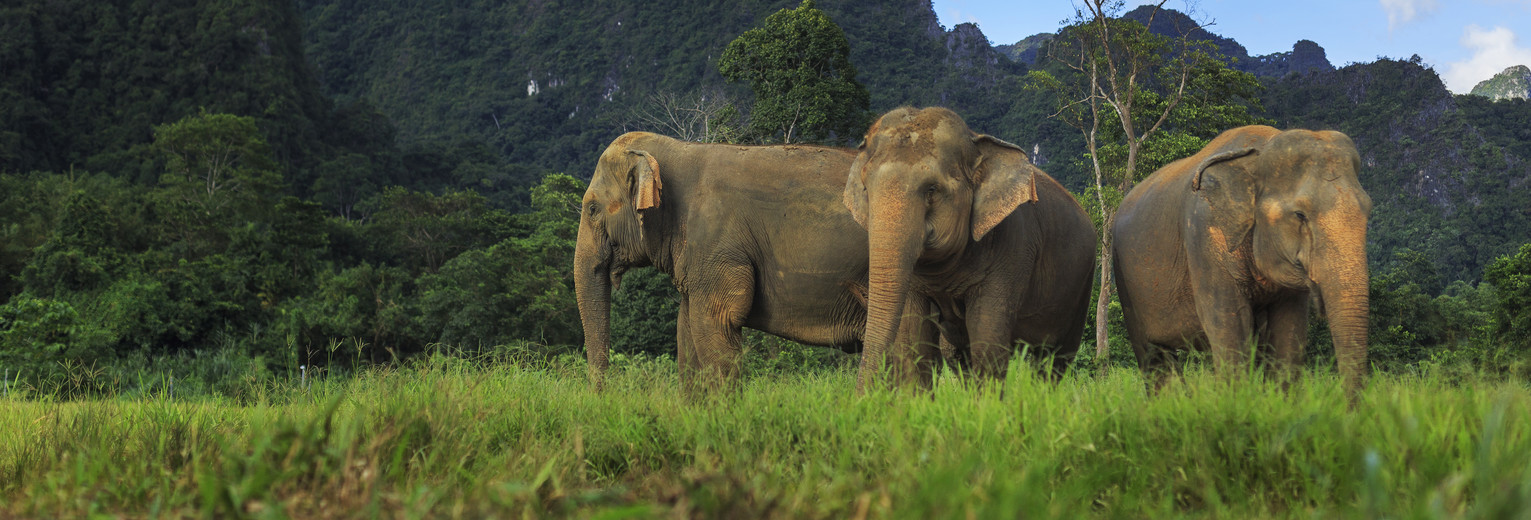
(547, 84)
(84, 81)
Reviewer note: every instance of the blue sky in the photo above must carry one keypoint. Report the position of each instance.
(1465, 41)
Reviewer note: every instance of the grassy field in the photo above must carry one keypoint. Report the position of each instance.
(450, 438)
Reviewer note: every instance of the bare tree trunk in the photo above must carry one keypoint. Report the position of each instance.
(1102, 306)
(1102, 343)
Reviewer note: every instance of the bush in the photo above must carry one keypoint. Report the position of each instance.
(44, 341)
(366, 304)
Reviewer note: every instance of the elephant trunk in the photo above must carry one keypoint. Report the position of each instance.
(895, 238)
(1343, 281)
(592, 288)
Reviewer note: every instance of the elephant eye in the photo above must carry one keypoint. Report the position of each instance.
(1302, 217)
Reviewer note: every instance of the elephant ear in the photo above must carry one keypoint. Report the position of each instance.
(856, 192)
(647, 186)
(1005, 178)
(1229, 189)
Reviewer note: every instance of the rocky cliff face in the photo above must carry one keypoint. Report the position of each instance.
(967, 47)
(1513, 83)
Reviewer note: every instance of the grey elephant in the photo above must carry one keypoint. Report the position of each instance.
(965, 221)
(752, 236)
(1226, 247)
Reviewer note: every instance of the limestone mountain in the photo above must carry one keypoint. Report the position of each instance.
(1512, 83)
(1025, 51)
(1305, 55)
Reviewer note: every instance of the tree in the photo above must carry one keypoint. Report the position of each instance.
(425, 230)
(1141, 100)
(79, 255)
(704, 117)
(216, 160)
(1406, 322)
(798, 65)
(1511, 277)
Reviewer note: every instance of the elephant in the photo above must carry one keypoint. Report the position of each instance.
(964, 221)
(1225, 249)
(752, 236)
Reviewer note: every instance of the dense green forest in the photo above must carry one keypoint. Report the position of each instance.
(240, 188)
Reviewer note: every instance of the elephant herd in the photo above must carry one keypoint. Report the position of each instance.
(931, 233)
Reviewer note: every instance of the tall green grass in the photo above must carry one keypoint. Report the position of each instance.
(449, 438)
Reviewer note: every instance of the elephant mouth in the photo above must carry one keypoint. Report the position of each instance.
(1317, 292)
(617, 271)
(618, 260)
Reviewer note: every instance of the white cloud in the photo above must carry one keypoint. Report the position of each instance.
(1493, 51)
(1400, 12)
(957, 17)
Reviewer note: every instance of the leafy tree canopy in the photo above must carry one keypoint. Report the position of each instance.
(798, 64)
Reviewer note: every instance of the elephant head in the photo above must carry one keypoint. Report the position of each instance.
(626, 185)
(1295, 199)
(925, 187)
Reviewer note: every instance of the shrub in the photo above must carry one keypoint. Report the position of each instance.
(43, 341)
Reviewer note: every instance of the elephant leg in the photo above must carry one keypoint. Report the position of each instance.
(1157, 365)
(915, 348)
(1227, 320)
(1287, 334)
(1148, 355)
(685, 351)
(716, 325)
(1059, 365)
(954, 342)
(990, 339)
